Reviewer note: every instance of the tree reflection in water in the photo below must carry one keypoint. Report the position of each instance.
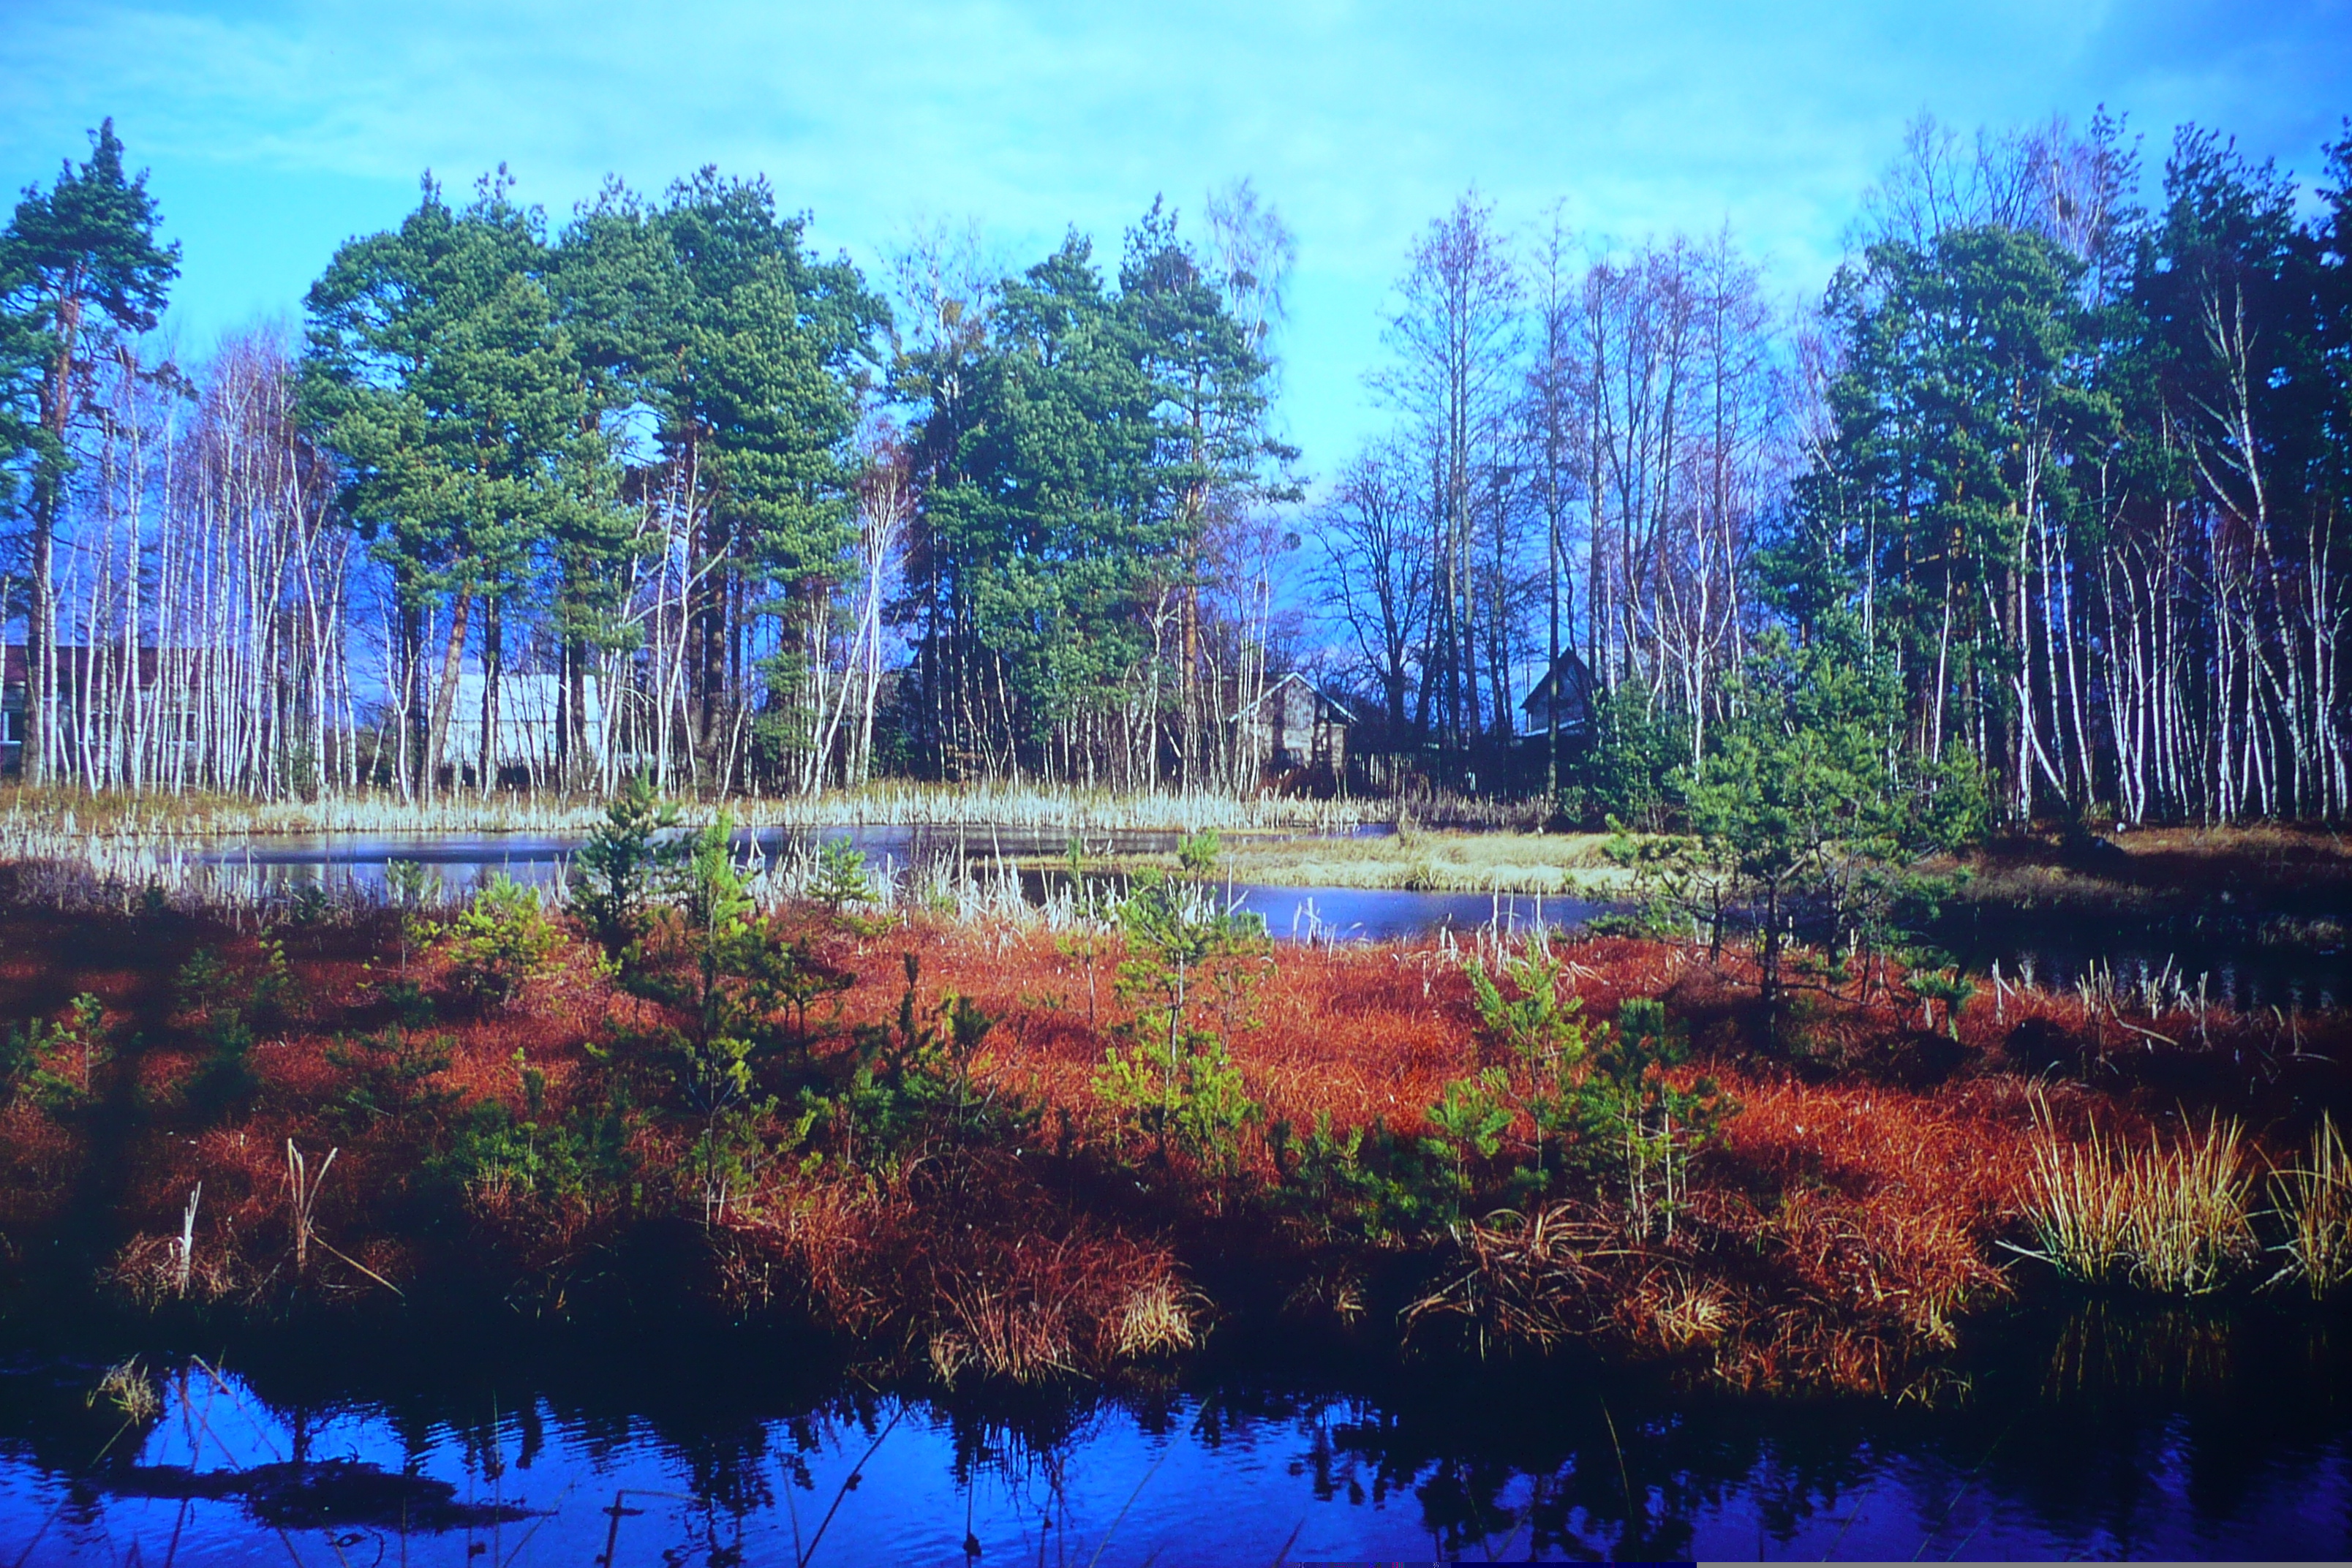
(2105, 1429)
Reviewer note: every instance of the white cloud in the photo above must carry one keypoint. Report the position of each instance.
(1361, 120)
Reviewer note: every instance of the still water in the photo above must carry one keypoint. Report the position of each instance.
(462, 861)
(2239, 971)
(2084, 1436)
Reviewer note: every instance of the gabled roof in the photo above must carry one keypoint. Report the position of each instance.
(1294, 678)
(1577, 687)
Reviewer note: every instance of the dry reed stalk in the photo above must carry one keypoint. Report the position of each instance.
(167, 815)
(2314, 1200)
(186, 1256)
(302, 1198)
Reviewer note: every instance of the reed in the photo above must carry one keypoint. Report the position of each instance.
(2170, 1219)
(2314, 1204)
(163, 814)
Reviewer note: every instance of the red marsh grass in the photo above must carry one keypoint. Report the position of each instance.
(1840, 1231)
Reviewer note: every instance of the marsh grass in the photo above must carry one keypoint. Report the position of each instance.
(2170, 1219)
(1837, 1233)
(896, 803)
(1564, 864)
(2313, 1202)
(129, 1388)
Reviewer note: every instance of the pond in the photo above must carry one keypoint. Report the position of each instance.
(2246, 968)
(2098, 1433)
(461, 861)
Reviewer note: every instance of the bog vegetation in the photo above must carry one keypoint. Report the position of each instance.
(1022, 1143)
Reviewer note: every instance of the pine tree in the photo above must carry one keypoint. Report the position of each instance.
(78, 263)
(437, 370)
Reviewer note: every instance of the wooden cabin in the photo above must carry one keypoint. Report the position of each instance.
(92, 686)
(530, 721)
(1296, 727)
(1574, 684)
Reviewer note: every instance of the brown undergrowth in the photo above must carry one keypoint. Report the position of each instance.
(970, 1207)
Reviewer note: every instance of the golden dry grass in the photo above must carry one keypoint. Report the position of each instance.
(1568, 864)
(2313, 1197)
(2169, 1217)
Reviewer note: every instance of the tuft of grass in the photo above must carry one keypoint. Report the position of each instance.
(2171, 1220)
(2314, 1201)
(1156, 1321)
(128, 1387)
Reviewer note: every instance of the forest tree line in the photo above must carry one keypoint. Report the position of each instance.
(2063, 474)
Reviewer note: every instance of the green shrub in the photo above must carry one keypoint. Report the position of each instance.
(409, 1003)
(1633, 771)
(1366, 1186)
(1471, 1116)
(913, 1083)
(1948, 987)
(224, 1081)
(623, 864)
(390, 1078)
(1191, 963)
(1600, 1097)
(583, 1159)
(1641, 1123)
(53, 1062)
(1535, 1028)
(840, 878)
(205, 982)
(500, 942)
(407, 884)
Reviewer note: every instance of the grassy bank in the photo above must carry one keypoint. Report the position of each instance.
(915, 1132)
(1424, 859)
(2284, 874)
(2256, 871)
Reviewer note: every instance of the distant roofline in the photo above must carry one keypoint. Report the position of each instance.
(1347, 709)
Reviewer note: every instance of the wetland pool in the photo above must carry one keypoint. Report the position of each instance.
(2230, 968)
(2099, 1432)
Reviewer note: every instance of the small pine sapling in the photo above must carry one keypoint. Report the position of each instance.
(623, 864)
(1190, 959)
(500, 941)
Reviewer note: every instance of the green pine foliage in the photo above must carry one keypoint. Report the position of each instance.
(500, 941)
(624, 863)
(1191, 966)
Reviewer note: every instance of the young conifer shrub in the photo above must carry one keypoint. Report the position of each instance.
(624, 863)
(1192, 966)
(500, 941)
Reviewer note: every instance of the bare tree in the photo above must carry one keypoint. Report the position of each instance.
(1455, 338)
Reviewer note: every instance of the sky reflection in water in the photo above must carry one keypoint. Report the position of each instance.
(2163, 1435)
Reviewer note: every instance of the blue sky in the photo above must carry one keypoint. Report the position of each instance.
(274, 130)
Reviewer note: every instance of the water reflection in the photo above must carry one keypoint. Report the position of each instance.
(2085, 1436)
(2250, 966)
(358, 863)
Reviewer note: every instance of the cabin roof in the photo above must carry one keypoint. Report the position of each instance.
(1578, 684)
(1345, 713)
